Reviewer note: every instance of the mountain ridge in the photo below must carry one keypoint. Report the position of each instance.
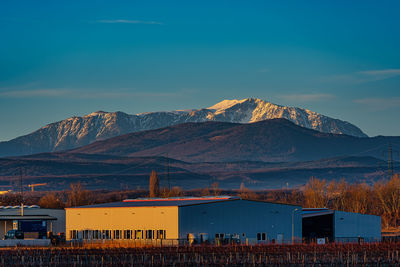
(100, 125)
(270, 140)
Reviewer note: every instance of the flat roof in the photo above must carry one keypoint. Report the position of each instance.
(316, 212)
(162, 202)
(27, 217)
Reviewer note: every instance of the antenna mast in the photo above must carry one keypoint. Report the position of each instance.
(390, 160)
(169, 184)
(21, 191)
(390, 163)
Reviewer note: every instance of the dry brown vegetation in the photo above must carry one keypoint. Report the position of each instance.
(382, 198)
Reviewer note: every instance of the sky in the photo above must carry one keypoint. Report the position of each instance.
(60, 59)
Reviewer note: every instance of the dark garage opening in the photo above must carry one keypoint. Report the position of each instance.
(320, 226)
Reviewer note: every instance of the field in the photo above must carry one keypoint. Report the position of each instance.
(374, 254)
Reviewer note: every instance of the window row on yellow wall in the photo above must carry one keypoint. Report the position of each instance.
(117, 234)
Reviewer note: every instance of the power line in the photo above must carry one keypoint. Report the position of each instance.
(169, 184)
(21, 188)
(390, 162)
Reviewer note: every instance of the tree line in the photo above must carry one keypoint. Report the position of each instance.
(382, 198)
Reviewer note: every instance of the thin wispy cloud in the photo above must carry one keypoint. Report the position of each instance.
(364, 76)
(126, 21)
(306, 97)
(394, 72)
(81, 94)
(34, 93)
(379, 103)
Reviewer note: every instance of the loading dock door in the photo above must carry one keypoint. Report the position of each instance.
(320, 226)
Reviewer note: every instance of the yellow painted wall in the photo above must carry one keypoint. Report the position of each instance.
(124, 218)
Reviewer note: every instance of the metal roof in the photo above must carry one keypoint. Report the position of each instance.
(19, 207)
(162, 202)
(316, 212)
(27, 217)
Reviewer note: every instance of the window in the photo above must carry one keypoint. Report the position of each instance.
(138, 234)
(106, 234)
(96, 234)
(219, 236)
(149, 234)
(102, 234)
(160, 234)
(73, 234)
(117, 234)
(127, 234)
(261, 236)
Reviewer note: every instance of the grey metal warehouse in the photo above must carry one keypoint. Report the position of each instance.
(199, 218)
(340, 226)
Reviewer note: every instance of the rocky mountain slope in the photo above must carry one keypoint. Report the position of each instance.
(79, 131)
(276, 140)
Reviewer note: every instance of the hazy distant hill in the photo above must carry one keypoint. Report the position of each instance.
(114, 172)
(269, 140)
(79, 131)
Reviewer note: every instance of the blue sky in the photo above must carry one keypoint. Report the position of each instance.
(69, 58)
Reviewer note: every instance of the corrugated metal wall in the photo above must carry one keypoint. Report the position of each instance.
(241, 217)
(348, 226)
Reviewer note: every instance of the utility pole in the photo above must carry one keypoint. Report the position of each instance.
(390, 163)
(390, 160)
(167, 172)
(296, 209)
(169, 184)
(21, 191)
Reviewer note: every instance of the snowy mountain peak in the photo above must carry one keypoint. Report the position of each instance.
(99, 125)
(97, 113)
(225, 104)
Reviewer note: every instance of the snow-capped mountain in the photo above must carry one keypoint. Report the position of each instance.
(80, 131)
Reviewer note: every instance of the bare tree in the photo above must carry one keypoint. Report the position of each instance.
(176, 191)
(315, 193)
(215, 189)
(243, 191)
(77, 196)
(246, 193)
(154, 184)
(359, 195)
(389, 196)
(205, 192)
(51, 201)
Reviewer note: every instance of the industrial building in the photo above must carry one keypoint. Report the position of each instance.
(201, 219)
(32, 220)
(340, 226)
